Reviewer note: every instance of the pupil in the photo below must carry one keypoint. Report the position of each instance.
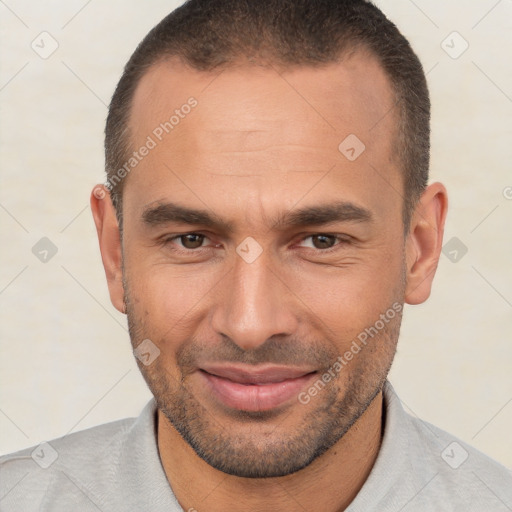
(192, 241)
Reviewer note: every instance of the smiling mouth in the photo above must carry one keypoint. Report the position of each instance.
(255, 388)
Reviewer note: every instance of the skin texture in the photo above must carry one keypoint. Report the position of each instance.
(261, 145)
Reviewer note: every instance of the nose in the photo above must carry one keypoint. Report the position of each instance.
(254, 305)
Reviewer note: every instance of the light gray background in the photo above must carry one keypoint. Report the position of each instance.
(65, 360)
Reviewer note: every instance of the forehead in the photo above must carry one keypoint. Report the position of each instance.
(279, 125)
(353, 95)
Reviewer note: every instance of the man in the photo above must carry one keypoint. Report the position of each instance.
(266, 217)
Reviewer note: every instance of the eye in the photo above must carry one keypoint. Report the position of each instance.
(321, 241)
(189, 247)
(191, 240)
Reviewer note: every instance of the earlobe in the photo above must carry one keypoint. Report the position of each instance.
(424, 242)
(110, 243)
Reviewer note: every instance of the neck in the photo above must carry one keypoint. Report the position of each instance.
(329, 483)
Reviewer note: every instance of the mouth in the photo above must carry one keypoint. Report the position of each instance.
(255, 389)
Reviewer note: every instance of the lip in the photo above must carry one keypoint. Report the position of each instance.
(260, 388)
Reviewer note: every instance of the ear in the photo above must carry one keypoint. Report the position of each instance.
(424, 242)
(110, 243)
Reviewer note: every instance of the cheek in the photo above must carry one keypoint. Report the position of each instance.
(169, 300)
(343, 302)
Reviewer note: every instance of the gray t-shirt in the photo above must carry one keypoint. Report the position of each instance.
(116, 467)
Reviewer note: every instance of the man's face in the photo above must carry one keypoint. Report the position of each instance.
(245, 325)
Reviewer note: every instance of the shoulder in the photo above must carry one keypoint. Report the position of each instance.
(449, 472)
(50, 464)
(76, 446)
(115, 466)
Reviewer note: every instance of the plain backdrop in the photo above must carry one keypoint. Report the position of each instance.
(66, 362)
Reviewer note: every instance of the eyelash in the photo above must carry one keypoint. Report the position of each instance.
(341, 240)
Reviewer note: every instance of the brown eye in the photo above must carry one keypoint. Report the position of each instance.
(323, 241)
(192, 240)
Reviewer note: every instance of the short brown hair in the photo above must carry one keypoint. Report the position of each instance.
(210, 34)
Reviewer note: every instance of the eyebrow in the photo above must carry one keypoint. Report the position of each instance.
(343, 211)
(164, 213)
